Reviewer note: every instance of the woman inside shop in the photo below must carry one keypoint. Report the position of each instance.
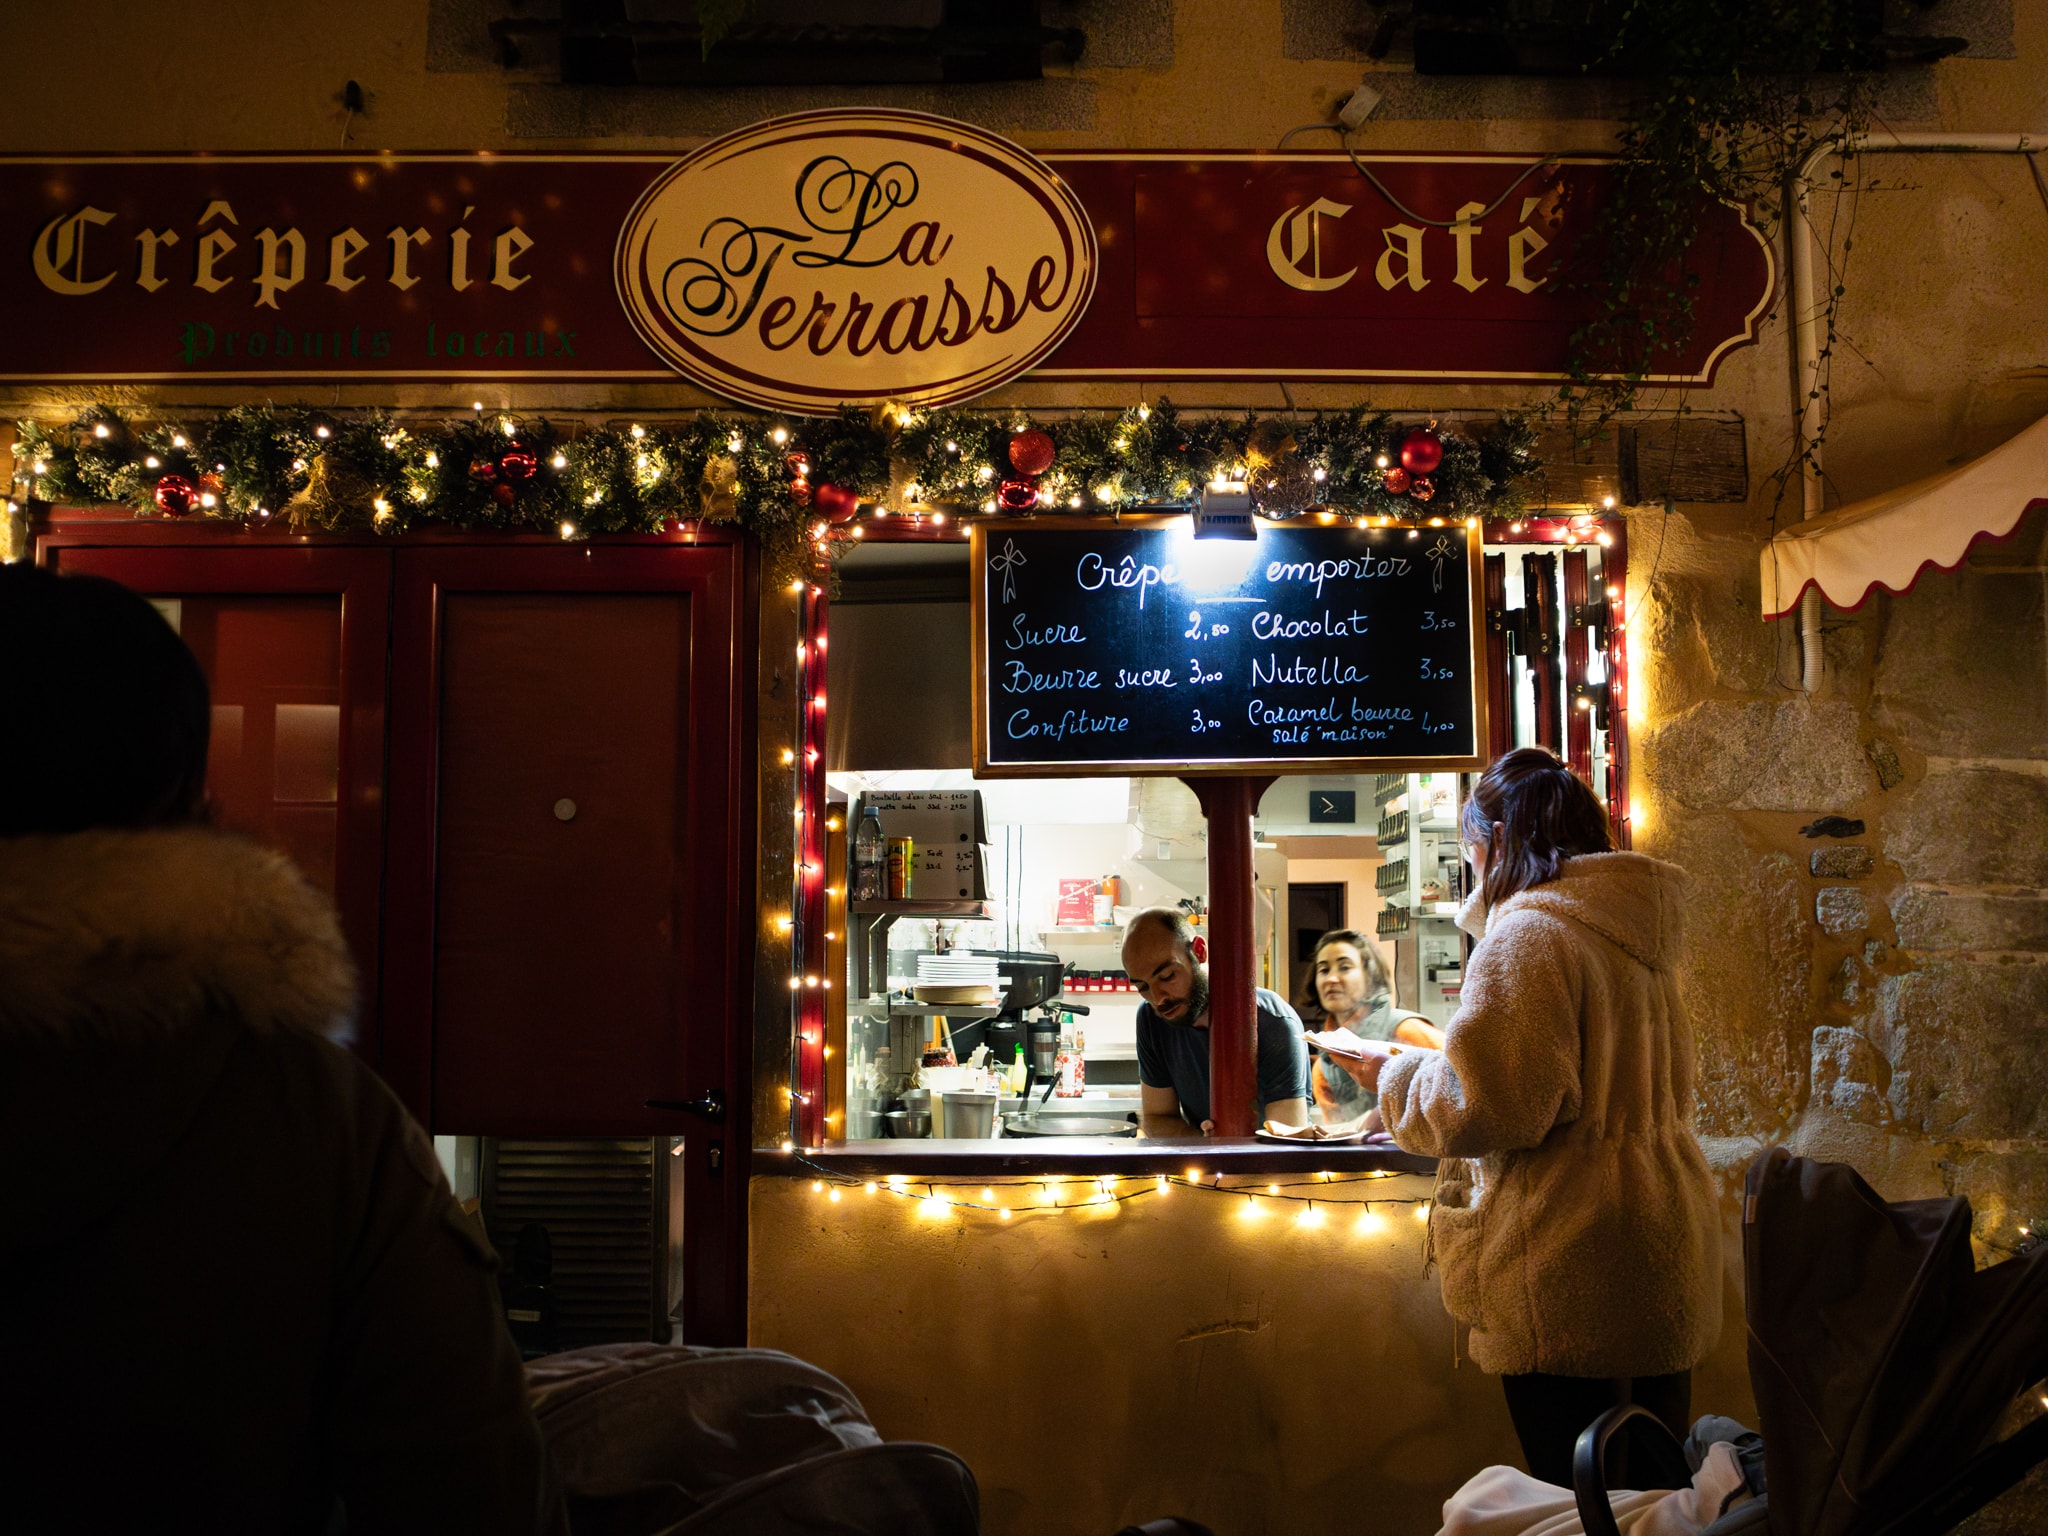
(1352, 989)
(1575, 1223)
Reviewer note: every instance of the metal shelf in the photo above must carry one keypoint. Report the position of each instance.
(868, 924)
(931, 1010)
(917, 907)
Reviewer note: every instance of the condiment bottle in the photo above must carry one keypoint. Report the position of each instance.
(1068, 1068)
(870, 857)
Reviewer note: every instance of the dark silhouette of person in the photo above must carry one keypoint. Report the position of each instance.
(235, 1291)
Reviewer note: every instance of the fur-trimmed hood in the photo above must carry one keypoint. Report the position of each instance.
(131, 966)
(137, 935)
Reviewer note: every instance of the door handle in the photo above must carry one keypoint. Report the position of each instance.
(711, 1106)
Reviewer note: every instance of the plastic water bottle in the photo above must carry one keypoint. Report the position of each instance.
(870, 857)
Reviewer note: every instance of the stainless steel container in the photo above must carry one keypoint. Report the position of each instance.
(968, 1116)
(863, 1124)
(1044, 1038)
(901, 1122)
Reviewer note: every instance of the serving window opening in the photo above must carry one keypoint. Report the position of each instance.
(987, 952)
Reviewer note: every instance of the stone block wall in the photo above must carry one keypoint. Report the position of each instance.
(1878, 995)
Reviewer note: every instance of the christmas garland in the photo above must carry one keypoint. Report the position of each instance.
(789, 482)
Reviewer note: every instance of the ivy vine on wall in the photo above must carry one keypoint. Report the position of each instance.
(1729, 100)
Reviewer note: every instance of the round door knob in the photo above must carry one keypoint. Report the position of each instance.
(565, 809)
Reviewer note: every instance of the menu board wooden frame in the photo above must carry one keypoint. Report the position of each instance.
(1475, 670)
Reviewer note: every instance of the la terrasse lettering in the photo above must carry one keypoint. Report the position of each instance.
(846, 207)
(62, 265)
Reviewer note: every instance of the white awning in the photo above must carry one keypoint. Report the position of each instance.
(1888, 540)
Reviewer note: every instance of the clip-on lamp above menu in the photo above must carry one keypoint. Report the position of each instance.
(1224, 511)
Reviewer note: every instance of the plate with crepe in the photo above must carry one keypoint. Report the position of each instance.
(1342, 1133)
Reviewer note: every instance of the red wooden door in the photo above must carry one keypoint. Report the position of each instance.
(568, 861)
(292, 640)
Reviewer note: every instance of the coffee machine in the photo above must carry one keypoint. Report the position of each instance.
(1034, 980)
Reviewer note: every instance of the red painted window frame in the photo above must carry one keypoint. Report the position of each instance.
(165, 559)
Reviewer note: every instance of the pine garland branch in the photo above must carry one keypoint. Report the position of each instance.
(783, 481)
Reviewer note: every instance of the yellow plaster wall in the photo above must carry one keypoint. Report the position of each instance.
(1165, 1357)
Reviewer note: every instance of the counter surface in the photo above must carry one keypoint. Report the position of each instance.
(1084, 1155)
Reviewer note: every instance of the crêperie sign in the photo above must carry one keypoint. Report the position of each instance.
(1120, 648)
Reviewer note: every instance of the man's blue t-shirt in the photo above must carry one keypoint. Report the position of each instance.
(1176, 1056)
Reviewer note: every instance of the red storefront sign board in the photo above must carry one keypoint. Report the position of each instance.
(122, 269)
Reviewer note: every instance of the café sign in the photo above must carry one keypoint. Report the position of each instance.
(831, 258)
(854, 257)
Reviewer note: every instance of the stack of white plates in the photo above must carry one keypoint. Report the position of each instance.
(957, 976)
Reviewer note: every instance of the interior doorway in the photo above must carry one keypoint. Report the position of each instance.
(1313, 909)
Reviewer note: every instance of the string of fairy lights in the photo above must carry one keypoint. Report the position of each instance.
(1045, 1195)
(810, 888)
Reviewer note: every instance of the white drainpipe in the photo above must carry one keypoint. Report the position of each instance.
(1806, 348)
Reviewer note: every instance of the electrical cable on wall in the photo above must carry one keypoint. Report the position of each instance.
(1344, 131)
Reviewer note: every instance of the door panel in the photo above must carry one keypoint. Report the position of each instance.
(292, 641)
(557, 965)
(548, 974)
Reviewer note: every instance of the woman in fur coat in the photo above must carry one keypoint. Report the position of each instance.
(1575, 1224)
(235, 1292)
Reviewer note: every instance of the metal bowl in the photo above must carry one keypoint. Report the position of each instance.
(904, 1123)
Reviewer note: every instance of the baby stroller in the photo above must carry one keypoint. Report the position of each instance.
(1881, 1358)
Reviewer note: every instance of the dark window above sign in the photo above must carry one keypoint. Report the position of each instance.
(1575, 37)
(789, 42)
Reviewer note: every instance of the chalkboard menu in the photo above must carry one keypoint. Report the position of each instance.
(1134, 647)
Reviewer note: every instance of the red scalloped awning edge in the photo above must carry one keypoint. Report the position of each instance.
(1876, 585)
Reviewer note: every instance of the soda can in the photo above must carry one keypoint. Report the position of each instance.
(901, 857)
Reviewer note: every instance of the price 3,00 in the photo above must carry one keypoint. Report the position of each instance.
(1202, 723)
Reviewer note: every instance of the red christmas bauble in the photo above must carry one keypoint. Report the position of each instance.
(504, 495)
(800, 492)
(799, 466)
(1396, 479)
(1032, 453)
(1017, 496)
(1423, 488)
(175, 495)
(837, 502)
(1421, 451)
(517, 463)
(485, 470)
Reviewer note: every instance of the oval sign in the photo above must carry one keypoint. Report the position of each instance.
(847, 257)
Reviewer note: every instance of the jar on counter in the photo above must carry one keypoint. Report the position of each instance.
(1072, 1067)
